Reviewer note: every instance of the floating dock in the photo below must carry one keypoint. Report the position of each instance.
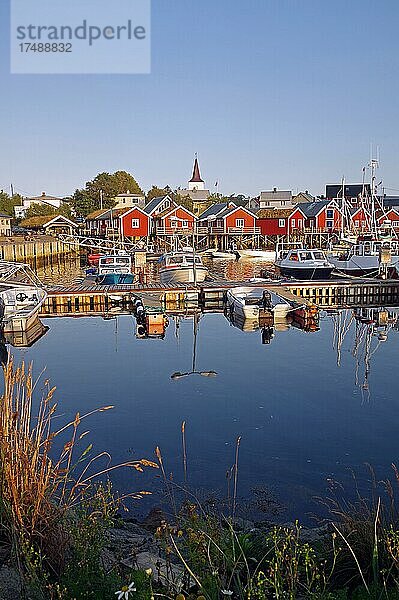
(89, 297)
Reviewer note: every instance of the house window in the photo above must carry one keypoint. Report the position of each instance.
(395, 223)
(330, 213)
(329, 224)
(281, 222)
(135, 223)
(173, 222)
(167, 204)
(283, 203)
(293, 222)
(184, 224)
(239, 222)
(356, 223)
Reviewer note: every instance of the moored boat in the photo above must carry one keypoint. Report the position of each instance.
(248, 302)
(366, 256)
(305, 263)
(224, 255)
(267, 255)
(21, 296)
(182, 267)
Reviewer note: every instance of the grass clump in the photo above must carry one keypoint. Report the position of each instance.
(53, 515)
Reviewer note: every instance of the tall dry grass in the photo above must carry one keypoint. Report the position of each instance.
(40, 485)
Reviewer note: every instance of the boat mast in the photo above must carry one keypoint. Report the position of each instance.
(343, 207)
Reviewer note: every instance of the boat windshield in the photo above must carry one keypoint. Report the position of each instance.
(306, 255)
(319, 255)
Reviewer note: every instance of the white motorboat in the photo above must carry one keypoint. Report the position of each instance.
(115, 264)
(182, 267)
(366, 256)
(223, 255)
(303, 264)
(248, 302)
(21, 296)
(267, 255)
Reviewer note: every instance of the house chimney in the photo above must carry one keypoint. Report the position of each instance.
(43, 193)
(306, 191)
(274, 190)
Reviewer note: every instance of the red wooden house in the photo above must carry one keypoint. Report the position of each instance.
(135, 223)
(239, 220)
(359, 220)
(323, 215)
(174, 220)
(273, 222)
(391, 215)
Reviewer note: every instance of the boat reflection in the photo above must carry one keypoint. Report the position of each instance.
(366, 329)
(179, 374)
(270, 324)
(21, 338)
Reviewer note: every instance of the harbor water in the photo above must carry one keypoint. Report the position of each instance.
(310, 407)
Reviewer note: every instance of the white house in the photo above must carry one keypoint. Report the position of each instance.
(44, 199)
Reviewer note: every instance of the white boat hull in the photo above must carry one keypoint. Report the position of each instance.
(170, 275)
(224, 255)
(269, 255)
(236, 299)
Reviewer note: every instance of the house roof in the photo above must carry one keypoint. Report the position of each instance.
(172, 209)
(391, 201)
(4, 216)
(154, 203)
(352, 190)
(276, 195)
(196, 178)
(96, 213)
(129, 195)
(38, 221)
(273, 213)
(43, 197)
(124, 211)
(60, 218)
(306, 195)
(311, 209)
(214, 210)
(196, 195)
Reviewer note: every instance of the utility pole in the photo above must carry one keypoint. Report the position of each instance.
(101, 199)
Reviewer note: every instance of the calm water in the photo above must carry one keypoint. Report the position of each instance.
(305, 411)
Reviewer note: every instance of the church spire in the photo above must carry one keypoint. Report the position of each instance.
(196, 178)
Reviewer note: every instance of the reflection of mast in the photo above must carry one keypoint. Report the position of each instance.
(342, 324)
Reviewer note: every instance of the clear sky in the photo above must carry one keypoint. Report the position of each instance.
(286, 93)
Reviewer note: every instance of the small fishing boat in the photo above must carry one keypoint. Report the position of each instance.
(21, 296)
(224, 255)
(115, 269)
(305, 264)
(364, 257)
(267, 255)
(248, 302)
(182, 267)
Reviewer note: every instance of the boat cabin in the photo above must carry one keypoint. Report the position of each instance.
(303, 255)
(182, 259)
(118, 263)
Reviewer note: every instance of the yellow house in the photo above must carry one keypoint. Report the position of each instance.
(5, 224)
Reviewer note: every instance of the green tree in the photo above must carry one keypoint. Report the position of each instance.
(44, 210)
(7, 202)
(156, 191)
(106, 185)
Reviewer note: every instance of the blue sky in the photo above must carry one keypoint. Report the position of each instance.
(286, 93)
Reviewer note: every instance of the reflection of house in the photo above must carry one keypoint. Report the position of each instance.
(43, 200)
(50, 224)
(323, 216)
(129, 200)
(5, 224)
(196, 190)
(273, 221)
(275, 199)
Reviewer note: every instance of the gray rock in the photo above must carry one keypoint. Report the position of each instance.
(10, 583)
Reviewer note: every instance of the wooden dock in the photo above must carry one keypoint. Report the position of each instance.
(90, 297)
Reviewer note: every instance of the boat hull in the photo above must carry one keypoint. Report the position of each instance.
(312, 274)
(170, 275)
(269, 255)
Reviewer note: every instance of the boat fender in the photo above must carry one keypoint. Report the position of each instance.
(21, 297)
